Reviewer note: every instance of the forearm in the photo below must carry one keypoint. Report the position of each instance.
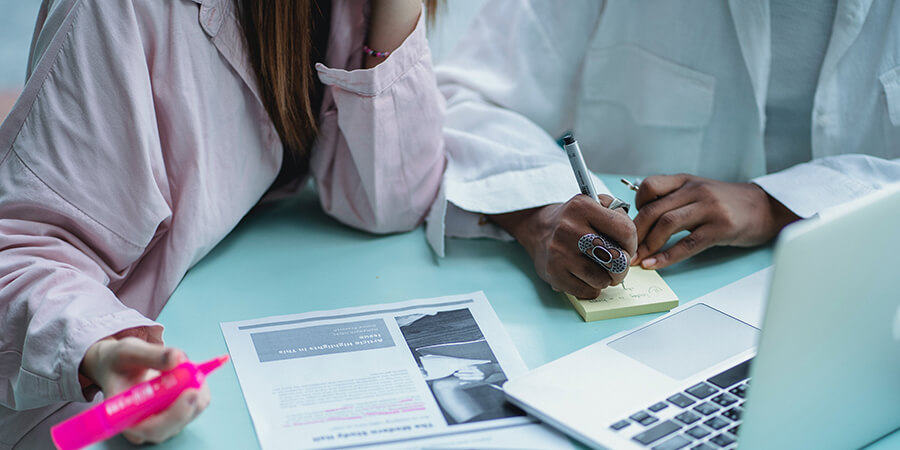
(780, 214)
(524, 225)
(390, 23)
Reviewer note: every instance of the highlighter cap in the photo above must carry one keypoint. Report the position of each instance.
(80, 431)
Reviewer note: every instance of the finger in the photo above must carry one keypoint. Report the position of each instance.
(688, 217)
(615, 225)
(203, 400)
(658, 186)
(699, 240)
(604, 199)
(591, 273)
(133, 438)
(134, 352)
(615, 253)
(170, 422)
(573, 285)
(651, 212)
(616, 278)
(607, 200)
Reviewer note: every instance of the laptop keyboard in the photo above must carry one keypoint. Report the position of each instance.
(706, 415)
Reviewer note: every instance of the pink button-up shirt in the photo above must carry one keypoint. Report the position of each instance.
(139, 142)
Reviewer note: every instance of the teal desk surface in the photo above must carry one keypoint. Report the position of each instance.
(289, 257)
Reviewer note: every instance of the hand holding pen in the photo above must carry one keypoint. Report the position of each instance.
(550, 234)
(596, 245)
(116, 365)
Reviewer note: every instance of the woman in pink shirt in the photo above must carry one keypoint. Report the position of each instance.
(146, 130)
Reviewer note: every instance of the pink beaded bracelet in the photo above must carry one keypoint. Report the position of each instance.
(371, 52)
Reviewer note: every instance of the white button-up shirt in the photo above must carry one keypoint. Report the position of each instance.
(655, 88)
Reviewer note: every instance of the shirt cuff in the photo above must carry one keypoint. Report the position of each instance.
(67, 385)
(371, 82)
(807, 189)
(517, 190)
(92, 331)
(461, 207)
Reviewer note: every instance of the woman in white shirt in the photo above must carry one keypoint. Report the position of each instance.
(777, 109)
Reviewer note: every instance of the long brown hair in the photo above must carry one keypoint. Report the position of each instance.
(280, 44)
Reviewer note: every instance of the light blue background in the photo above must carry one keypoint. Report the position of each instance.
(16, 25)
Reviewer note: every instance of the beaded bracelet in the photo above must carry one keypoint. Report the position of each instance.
(371, 52)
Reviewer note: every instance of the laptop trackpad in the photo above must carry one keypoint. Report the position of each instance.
(688, 341)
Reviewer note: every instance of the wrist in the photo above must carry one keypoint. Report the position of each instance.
(88, 370)
(779, 215)
(525, 225)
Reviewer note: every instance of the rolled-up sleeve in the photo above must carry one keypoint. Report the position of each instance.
(379, 162)
(808, 189)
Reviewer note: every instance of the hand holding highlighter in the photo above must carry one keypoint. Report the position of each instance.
(130, 407)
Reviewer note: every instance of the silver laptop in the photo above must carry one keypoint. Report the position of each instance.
(824, 372)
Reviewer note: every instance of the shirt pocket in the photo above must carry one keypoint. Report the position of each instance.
(890, 80)
(643, 113)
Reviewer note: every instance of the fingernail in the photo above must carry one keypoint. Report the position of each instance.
(648, 263)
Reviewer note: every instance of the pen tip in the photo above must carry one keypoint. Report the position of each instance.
(213, 364)
(568, 139)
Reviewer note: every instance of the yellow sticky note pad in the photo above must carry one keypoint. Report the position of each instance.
(642, 292)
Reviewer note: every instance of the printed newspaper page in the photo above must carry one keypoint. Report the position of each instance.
(401, 375)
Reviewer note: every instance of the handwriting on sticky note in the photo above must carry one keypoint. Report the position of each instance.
(643, 291)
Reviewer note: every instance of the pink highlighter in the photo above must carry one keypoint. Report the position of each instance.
(126, 409)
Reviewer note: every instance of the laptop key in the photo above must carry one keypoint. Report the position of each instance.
(687, 417)
(733, 413)
(675, 443)
(639, 416)
(724, 399)
(702, 446)
(620, 424)
(706, 408)
(643, 418)
(734, 430)
(697, 432)
(722, 440)
(716, 423)
(701, 390)
(648, 420)
(658, 407)
(681, 400)
(732, 376)
(656, 433)
(739, 390)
